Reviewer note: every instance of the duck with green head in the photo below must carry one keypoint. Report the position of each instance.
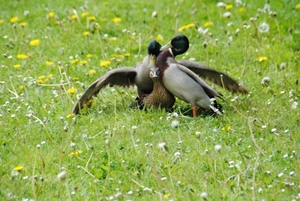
(181, 81)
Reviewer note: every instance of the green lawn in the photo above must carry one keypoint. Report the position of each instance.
(53, 50)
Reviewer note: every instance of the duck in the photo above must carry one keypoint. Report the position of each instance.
(180, 44)
(124, 77)
(160, 97)
(139, 76)
(183, 82)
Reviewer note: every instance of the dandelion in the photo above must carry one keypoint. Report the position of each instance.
(116, 20)
(105, 63)
(297, 6)
(23, 24)
(221, 5)
(62, 176)
(226, 128)
(35, 42)
(1, 21)
(74, 17)
(154, 14)
(263, 27)
(208, 24)
(69, 116)
(265, 81)
(262, 58)
(218, 147)
(76, 153)
(21, 88)
(14, 19)
(174, 123)
(49, 63)
(241, 10)
(89, 56)
(159, 38)
(17, 66)
(86, 33)
(74, 61)
(51, 15)
(188, 26)
(228, 7)
(21, 56)
(83, 62)
(18, 168)
(84, 14)
(294, 105)
(72, 91)
(91, 18)
(227, 15)
(204, 195)
(127, 55)
(92, 72)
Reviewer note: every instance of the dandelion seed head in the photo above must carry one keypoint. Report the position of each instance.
(218, 147)
(174, 123)
(263, 27)
(204, 195)
(227, 15)
(266, 81)
(221, 5)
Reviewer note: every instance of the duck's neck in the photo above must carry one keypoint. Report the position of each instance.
(162, 59)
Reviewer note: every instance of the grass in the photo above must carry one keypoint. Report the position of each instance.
(117, 153)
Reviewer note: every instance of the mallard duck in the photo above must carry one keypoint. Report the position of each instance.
(182, 82)
(160, 97)
(125, 77)
(180, 44)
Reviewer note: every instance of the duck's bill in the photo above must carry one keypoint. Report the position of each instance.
(166, 46)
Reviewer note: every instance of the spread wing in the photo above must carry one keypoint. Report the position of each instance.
(215, 76)
(211, 92)
(124, 77)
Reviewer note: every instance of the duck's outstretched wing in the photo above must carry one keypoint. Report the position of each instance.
(215, 76)
(124, 77)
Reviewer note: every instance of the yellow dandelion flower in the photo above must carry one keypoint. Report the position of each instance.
(21, 56)
(84, 14)
(91, 18)
(49, 63)
(159, 38)
(262, 58)
(127, 55)
(22, 87)
(241, 10)
(35, 42)
(72, 91)
(112, 38)
(105, 3)
(190, 25)
(51, 15)
(297, 6)
(86, 33)
(103, 19)
(226, 128)
(83, 62)
(97, 26)
(228, 6)
(89, 56)
(116, 20)
(208, 24)
(74, 61)
(105, 63)
(76, 153)
(40, 81)
(70, 115)
(18, 168)
(17, 66)
(75, 78)
(23, 24)
(92, 72)
(50, 76)
(14, 19)
(167, 195)
(132, 37)
(42, 77)
(74, 17)
(1, 22)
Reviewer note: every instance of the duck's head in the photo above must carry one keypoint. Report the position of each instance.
(179, 45)
(154, 48)
(154, 73)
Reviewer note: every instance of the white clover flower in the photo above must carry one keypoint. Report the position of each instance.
(174, 123)
(204, 195)
(263, 27)
(62, 176)
(227, 15)
(218, 147)
(294, 105)
(202, 30)
(238, 2)
(154, 14)
(161, 145)
(221, 4)
(282, 65)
